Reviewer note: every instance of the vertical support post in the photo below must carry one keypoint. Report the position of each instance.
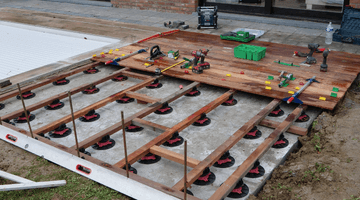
(26, 115)
(73, 120)
(185, 169)
(125, 149)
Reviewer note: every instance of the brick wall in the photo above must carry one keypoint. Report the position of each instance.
(173, 6)
(355, 3)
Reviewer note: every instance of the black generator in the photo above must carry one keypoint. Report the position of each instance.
(207, 17)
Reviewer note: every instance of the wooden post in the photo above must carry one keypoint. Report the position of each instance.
(185, 168)
(124, 139)
(26, 115)
(73, 120)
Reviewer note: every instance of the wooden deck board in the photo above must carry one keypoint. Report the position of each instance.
(342, 71)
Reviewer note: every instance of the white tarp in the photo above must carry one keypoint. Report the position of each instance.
(25, 47)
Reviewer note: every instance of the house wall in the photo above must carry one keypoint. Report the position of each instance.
(355, 3)
(177, 6)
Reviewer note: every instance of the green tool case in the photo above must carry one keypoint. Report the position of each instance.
(239, 36)
(249, 52)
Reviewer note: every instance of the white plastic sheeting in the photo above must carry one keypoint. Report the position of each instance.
(24, 47)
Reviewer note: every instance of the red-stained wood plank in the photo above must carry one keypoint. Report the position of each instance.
(173, 156)
(292, 129)
(142, 97)
(149, 125)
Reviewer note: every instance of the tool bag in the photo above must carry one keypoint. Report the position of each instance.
(350, 27)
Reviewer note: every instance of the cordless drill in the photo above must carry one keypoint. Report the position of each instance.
(199, 67)
(309, 58)
(324, 66)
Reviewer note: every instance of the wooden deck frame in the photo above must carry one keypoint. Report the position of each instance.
(142, 151)
(118, 126)
(162, 138)
(48, 80)
(154, 145)
(246, 166)
(95, 106)
(228, 144)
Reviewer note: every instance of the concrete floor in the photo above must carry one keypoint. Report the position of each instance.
(201, 140)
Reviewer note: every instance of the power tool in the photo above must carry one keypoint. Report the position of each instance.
(309, 58)
(287, 78)
(300, 54)
(155, 53)
(324, 66)
(198, 67)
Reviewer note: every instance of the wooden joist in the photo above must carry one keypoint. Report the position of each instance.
(228, 144)
(173, 156)
(137, 75)
(48, 80)
(151, 108)
(292, 129)
(150, 125)
(246, 166)
(142, 97)
(94, 106)
(142, 151)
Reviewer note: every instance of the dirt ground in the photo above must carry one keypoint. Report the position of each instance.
(326, 166)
